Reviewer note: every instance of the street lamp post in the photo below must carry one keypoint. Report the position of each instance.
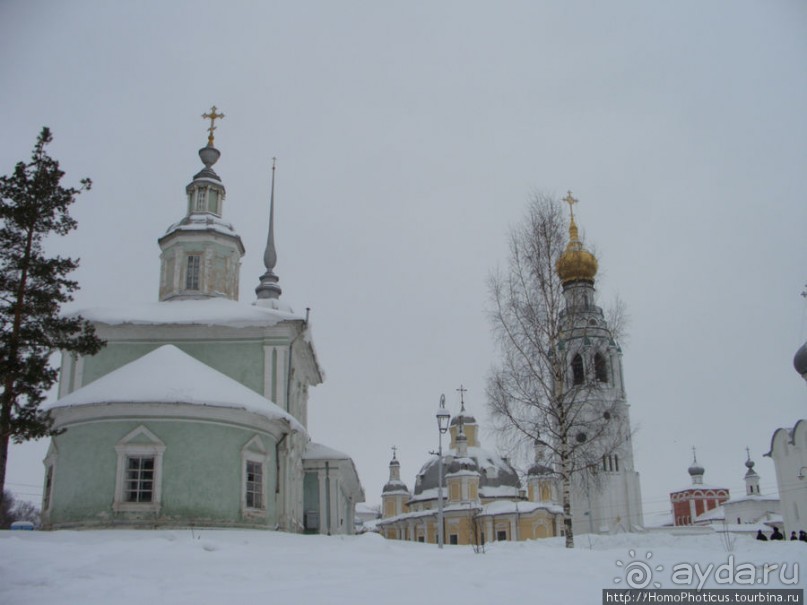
(442, 424)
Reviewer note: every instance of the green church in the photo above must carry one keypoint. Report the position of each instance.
(195, 412)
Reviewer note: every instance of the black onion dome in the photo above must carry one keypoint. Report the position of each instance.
(477, 460)
(395, 486)
(539, 469)
(800, 360)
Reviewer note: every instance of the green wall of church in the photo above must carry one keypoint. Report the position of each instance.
(240, 360)
(202, 472)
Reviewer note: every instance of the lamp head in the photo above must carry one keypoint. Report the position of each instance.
(443, 416)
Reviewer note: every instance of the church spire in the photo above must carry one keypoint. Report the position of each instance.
(268, 287)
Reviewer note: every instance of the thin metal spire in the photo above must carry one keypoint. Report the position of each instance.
(268, 287)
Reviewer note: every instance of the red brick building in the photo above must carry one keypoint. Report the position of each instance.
(692, 501)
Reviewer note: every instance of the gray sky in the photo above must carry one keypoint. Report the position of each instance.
(409, 137)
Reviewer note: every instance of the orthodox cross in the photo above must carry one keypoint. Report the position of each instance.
(462, 390)
(212, 116)
(571, 201)
(748, 452)
(394, 452)
(694, 455)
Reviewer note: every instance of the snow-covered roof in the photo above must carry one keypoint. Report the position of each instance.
(505, 507)
(210, 312)
(167, 375)
(752, 498)
(317, 451)
(203, 222)
(714, 514)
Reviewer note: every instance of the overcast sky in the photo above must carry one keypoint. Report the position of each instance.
(410, 137)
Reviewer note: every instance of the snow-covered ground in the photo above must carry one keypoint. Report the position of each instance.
(230, 566)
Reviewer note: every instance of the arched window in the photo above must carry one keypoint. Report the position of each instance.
(600, 368)
(577, 370)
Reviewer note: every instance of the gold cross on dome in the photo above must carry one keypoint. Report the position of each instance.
(212, 116)
(571, 201)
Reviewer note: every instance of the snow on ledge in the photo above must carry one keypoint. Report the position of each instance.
(210, 312)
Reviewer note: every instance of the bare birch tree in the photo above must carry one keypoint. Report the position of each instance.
(541, 391)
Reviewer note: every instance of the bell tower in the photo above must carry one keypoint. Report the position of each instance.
(605, 498)
(201, 254)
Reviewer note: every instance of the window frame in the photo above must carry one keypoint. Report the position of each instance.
(255, 452)
(254, 484)
(200, 200)
(125, 450)
(139, 473)
(193, 272)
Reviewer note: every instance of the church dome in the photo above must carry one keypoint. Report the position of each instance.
(494, 471)
(800, 361)
(576, 263)
(394, 486)
(695, 469)
(539, 469)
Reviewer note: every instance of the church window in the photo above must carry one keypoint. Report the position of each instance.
(192, 272)
(600, 368)
(254, 462)
(254, 493)
(138, 483)
(453, 539)
(201, 199)
(577, 370)
(501, 535)
(139, 479)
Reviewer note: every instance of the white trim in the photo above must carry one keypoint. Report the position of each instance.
(125, 449)
(82, 414)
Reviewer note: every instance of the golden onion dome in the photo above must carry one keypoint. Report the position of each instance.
(576, 263)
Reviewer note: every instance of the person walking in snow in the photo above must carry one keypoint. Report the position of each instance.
(761, 536)
(777, 535)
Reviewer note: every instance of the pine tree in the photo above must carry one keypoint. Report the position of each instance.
(33, 286)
